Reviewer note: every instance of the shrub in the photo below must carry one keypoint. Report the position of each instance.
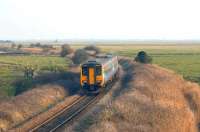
(66, 49)
(143, 57)
(93, 48)
(79, 56)
(29, 71)
(35, 45)
(19, 46)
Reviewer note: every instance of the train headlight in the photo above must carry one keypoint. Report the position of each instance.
(84, 81)
(98, 81)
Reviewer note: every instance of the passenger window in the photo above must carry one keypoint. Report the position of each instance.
(98, 70)
(84, 71)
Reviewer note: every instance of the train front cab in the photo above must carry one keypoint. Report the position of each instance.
(91, 77)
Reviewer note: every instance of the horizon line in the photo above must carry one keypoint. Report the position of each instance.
(109, 40)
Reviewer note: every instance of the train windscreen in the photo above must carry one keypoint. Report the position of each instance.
(98, 70)
(84, 70)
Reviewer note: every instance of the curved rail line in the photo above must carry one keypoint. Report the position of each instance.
(65, 116)
(69, 112)
(54, 117)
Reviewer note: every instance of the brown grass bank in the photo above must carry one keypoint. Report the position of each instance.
(29, 104)
(21, 108)
(153, 99)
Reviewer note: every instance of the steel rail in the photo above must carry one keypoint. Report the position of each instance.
(69, 112)
(57, 114)
(93, 99)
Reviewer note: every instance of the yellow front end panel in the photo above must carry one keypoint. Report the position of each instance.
(91, 75)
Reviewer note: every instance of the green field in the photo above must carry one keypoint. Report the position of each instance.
(12, 68)
(183, 59)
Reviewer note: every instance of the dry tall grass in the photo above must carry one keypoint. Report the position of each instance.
(28, 104)
(154, 99)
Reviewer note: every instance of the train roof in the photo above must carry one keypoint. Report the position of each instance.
(100, 59)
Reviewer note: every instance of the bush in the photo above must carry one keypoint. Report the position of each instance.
(79, 56)
(19, 46)
(35, 45)
(93, 48)
(143, 57)
(29, 71)
(66, 49)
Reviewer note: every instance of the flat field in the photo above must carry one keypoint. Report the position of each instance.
(12, 68)
(183, 59)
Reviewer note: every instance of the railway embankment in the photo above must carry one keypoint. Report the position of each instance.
(39, 103)
(147, 98)
(41, 118)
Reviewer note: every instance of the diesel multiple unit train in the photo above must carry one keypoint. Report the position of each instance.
(95, 74)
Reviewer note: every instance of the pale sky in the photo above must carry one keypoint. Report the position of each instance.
(100, 19)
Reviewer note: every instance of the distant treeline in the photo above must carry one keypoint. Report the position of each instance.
(41, 45)
(6, 41)
(8, 51)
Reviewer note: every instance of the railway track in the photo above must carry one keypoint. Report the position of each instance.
(65, 115)
(69, 112)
